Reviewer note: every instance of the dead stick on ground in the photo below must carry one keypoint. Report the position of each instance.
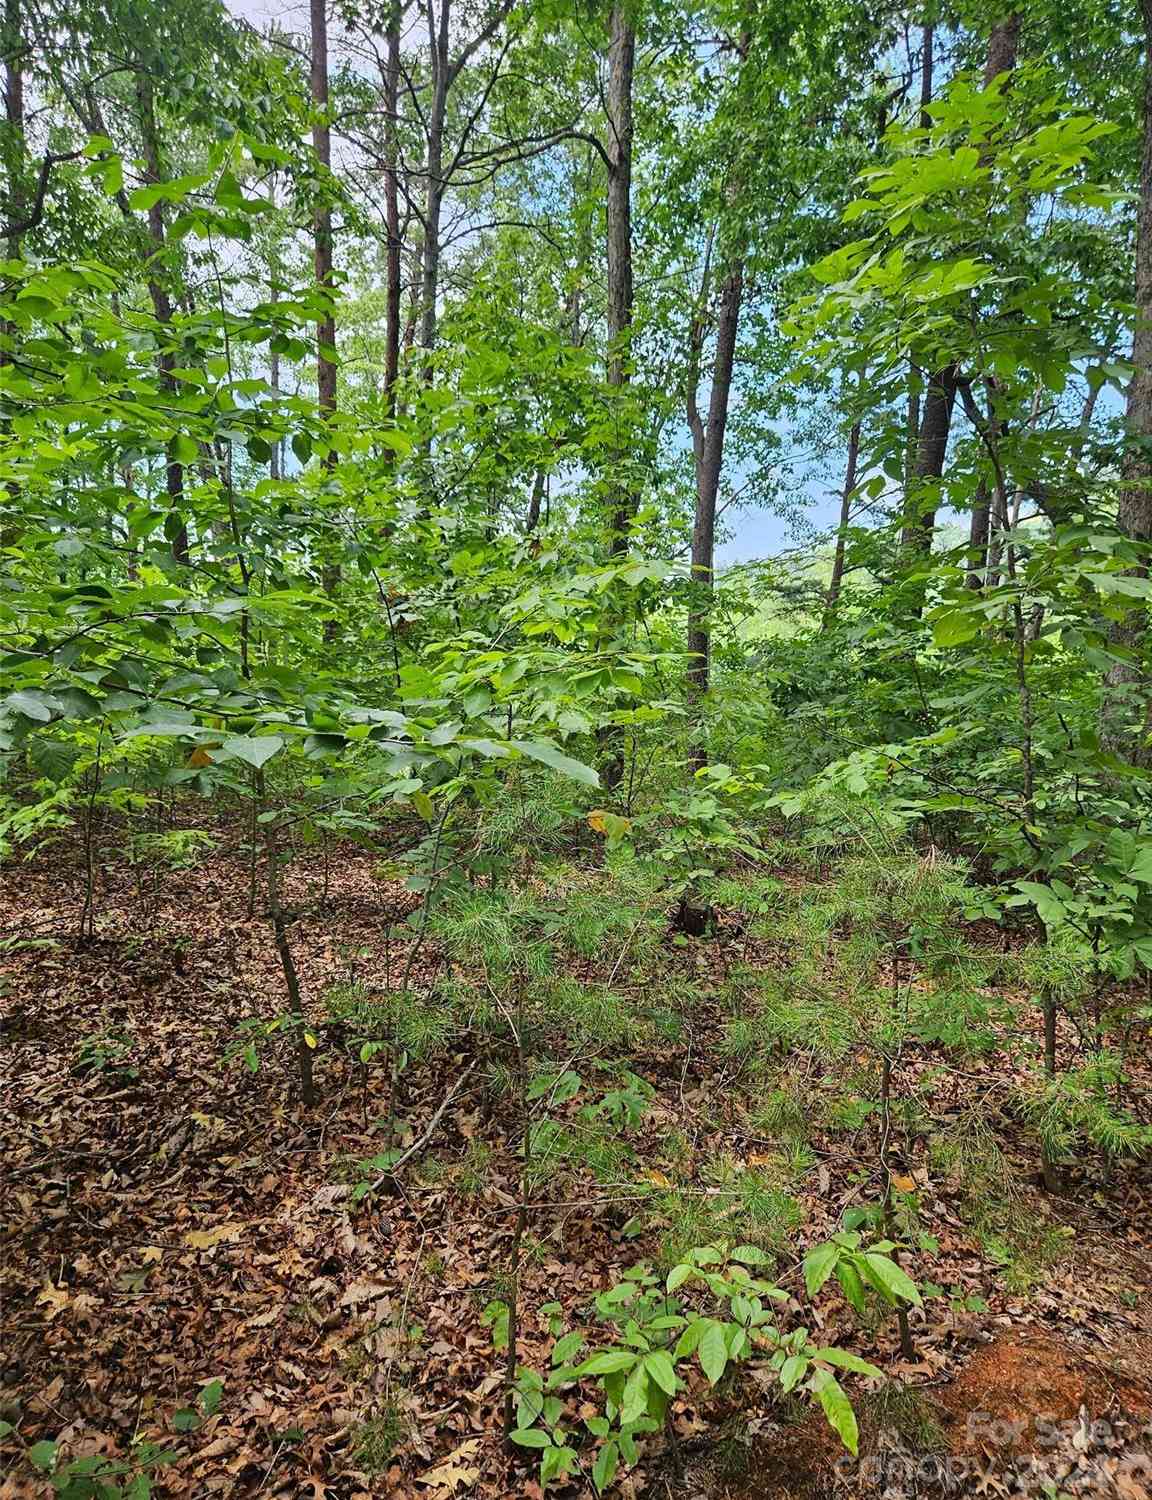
(429, 1133)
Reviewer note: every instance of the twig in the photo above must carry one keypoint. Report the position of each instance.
(429, 1133)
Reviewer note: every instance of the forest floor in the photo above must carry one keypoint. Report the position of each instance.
(173, 1219)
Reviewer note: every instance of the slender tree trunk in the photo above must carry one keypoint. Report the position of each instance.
(931, 449)
(912, 421)
(13, 160)
(392, 209)
(837, 579)
(1126, 706)
(322, 254)
(708, 443)
(979, 529)
(161, 302)
(438, 35)
(939, 399)
(621, 65)
(536, 500)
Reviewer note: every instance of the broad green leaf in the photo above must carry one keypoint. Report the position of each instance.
(819, 1265)
(549, 755)
(887, 1277)
(837, 1408)
(713, 1350)
(254, 750)
(662, 1371)
(530, 1437)
(608, 1362)
(678, 1275)
(604, 1469)
(564, 1348)
(846, 1361)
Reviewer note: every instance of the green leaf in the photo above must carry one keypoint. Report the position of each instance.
(564, 1349)
(837, 1408)
(608, 1362)
(548, 754)
(954, 629)
(678, 1275)
(530, 1437)
(792, 1371)
(210, 1397)
(819, 1265)
(662, 1371)
(713, 1350)
(423, 805)
(31, 705)
(255, 750)
(42, 1455)
(751, 1255)
(634, 1402)
(888, 1279)
(846, 1361)
(604, 1469)
(689, 1340)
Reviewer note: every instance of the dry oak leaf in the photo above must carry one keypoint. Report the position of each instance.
(55, 1300)
(205, 1239)
(454, 1473)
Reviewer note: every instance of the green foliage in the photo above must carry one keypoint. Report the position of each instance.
(712, 1310)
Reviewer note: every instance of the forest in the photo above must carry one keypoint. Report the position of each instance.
(576, 749)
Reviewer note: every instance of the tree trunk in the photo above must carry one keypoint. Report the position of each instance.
(709, 452)
(434, 195)
(161, 302)
(12, 50)
(1126, 705)
(536, 500)
(322, 256)
(837, 578)
(1003, 45)
(621, 64)
(392, 209)
(979, 529)
(931, 449)
(936, 409)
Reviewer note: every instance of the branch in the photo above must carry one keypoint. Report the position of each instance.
(22, 226)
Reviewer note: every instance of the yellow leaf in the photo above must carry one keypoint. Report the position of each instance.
(205, 1239)
(310, 1038)
(903, 1184)
(611, 824)
(55, 1299)
(153, 1255)
(658, 1178)
(454, 1473)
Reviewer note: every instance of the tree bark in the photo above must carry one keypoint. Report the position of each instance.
(12, 49)
(1126, 708)
(618, 226)
(939, 399)
(438, 34)
(392, 208)
(322, 256)
(837, 579)
(708, 447)
(928, 469)
(161, 302)
(1003, 46)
